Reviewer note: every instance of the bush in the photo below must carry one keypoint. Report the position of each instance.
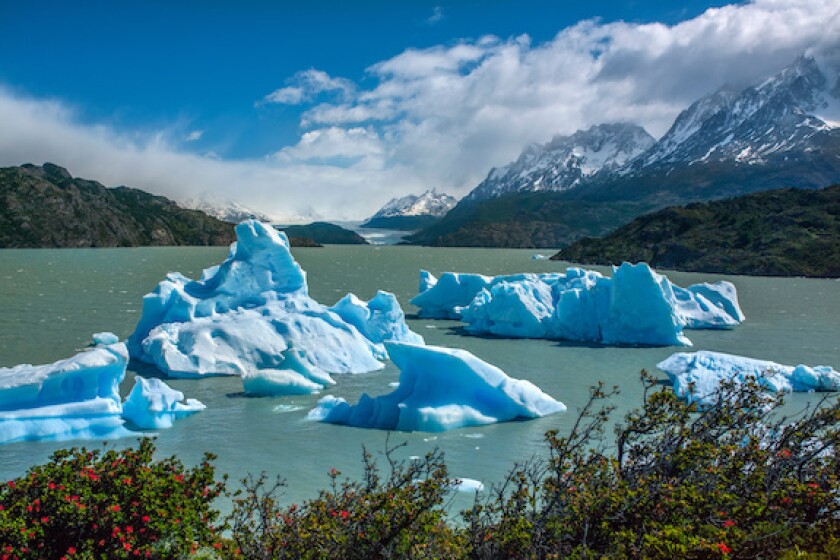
(398, 516)
(112, 504)
(735, 480)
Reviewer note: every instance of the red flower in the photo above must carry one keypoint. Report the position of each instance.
(115, 507)
(11, 484)
(343, 514)
(145, 519)
(71, 550)
(44, 519)
(723, 548)
(729, 523)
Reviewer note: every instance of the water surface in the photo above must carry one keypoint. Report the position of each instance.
(52, 300)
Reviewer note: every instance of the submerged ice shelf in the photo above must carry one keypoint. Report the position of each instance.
(79, 398)
(697, 376)
(440, 389)
(243, 316)
(635, 306)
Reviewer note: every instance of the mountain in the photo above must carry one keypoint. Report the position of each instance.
(323, 233)
(227, 210)
(771, 121)
(565, 161)
(48, 207)
(786, 232)
(781, 132)
(412, 212)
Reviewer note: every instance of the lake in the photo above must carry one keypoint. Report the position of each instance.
(51, 301)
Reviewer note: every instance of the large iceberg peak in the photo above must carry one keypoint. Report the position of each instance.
(440, 389)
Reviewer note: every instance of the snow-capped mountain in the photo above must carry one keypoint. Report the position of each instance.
(566, 161)
(430, 203)
(783, 115)
(227, 210)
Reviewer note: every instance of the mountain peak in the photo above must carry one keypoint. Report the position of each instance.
(565, 161)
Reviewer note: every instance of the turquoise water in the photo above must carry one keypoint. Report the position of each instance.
(52, 300)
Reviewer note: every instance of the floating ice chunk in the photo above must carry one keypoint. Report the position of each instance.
(642, 309)
(518, 309)
(296, 377)
(708, 306)
(467, 485)
(440, 389)
(154, 405)
(427, 281)
(440, 299)
(244, 313)
(379, 319)
(539, 257)
(73, 398)
(635, 306)
(105, 338)
(697, 376)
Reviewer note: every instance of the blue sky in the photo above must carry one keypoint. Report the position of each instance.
(364, 100)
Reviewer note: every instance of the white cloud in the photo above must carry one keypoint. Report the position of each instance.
(194, 136)
(307, 84)
(354, 146)
(436, 17)
(452, 112)
(290, 191)
(443, 116)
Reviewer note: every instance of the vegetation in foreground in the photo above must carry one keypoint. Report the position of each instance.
(776, 233)
(735, 480)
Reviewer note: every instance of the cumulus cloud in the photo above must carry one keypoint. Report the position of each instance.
(289, 191)
(441, 116)
(452, 112)
(305, 85)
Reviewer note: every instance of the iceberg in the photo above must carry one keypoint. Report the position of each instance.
(440, 389)
(696, 376)
(77, 397)
(105, 338)
(297, 377)
(635, 306)
(153, 405)
(378, 320)
(242, 316)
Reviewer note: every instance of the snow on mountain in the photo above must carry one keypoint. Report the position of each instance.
(566, 161)
(430, 203)
(225, 210)
(789, 112)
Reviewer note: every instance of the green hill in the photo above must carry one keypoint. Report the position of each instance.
(47, 207)
(785, 232)
(325, 233)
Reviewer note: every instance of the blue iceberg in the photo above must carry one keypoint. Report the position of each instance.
(242, 316)
(296, 377)
(78, 397)
(697, 376)
(154, 405)
(440, 389)
(635, 306)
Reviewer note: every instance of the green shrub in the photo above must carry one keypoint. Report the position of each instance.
(735, 480)
(112, 504)
(397, 516)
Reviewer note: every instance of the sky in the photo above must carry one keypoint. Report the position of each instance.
(326, 110)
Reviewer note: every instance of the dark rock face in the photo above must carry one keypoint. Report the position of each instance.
(46, 207)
